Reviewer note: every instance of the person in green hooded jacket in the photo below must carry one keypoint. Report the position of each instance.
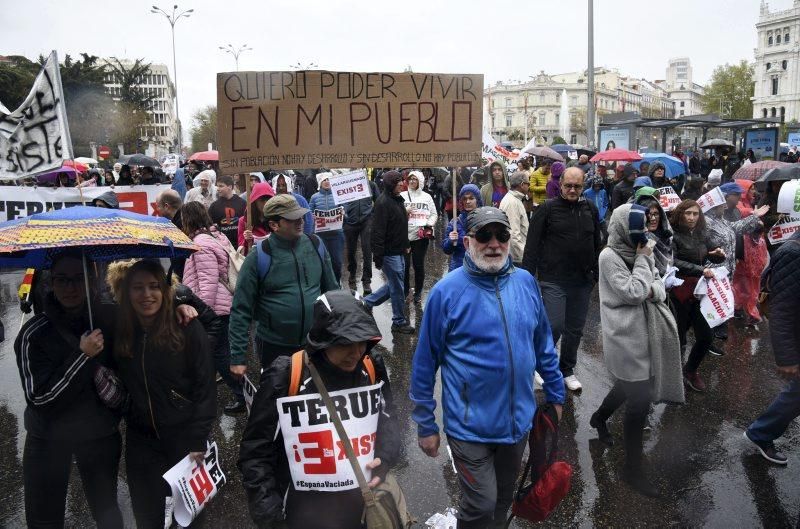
(279, 297)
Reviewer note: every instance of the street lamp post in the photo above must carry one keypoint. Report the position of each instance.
(173, 18)
(235, 52)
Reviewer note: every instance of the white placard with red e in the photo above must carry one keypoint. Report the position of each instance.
(328, 219)
(351, 186)
(317, 460)
(783, 230)
(711, 200)
(669, 198)
(716, 297)
(194, 485)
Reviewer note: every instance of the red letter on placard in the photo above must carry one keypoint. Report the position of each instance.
(322, 450)
(201, 485)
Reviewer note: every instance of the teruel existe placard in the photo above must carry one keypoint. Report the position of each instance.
(321, 119)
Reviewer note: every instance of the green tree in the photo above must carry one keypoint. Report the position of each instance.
(134, 101)
(17, 74)
(558, 140)
(204, 128)
(729, 91)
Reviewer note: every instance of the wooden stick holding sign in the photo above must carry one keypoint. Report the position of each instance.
(455, 207)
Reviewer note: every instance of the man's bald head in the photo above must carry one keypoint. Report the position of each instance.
(583, 159)
(169, 202)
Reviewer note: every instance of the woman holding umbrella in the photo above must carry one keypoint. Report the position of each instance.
(170, 378)
(58, 354)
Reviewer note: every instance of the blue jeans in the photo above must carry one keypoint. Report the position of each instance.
(394, 267)
(334, 243)
(783, 410)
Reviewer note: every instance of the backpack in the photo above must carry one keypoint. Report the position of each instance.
(297, 371)
(235, 262)
(265, 254)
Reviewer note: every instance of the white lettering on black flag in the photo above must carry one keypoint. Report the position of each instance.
(35, 137)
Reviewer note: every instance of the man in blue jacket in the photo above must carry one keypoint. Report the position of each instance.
(487, 374)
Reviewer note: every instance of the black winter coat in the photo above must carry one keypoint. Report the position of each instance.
(622, 192)
(784, 309)
(389, 227)
(57, 378)
(173, 393)
(262, 457)
(564, 241)
(690, 252)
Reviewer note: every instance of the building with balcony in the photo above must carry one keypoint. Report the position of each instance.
(777, 64)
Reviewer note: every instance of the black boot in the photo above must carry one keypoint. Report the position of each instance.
(638, 481)
(600, 425)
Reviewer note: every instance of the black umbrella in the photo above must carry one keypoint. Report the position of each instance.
(138, 159)
(716, 142)
(779, 174)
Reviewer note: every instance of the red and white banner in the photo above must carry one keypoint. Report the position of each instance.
(716, 297)
(783, 230)
(317, 460)
(194, 485)
(16, 201)
(711, 200)
(351, 186)
(328, 219)
(669, 198)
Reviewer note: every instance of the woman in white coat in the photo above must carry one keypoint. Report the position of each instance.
(421, 219)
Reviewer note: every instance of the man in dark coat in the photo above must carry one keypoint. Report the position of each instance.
(784, 330)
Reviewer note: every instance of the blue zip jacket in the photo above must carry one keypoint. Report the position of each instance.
(600, 199)
(322, 200)
(487, 333)
(308, 218)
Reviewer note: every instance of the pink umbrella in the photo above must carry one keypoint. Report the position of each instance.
(753, 171)
(81, 168)
(205, 156)
(616, 155)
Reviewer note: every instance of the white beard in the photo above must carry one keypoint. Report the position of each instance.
(486, 265)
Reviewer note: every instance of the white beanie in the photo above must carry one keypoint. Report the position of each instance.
(715, 177)
(321, 177)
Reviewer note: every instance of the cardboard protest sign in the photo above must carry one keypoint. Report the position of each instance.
(783, 230)
(711, 200)
(716, 297)
(249, 393)
(35, 137)
(328, 219)
(194, 485)
(669, 198)
(321, 119)
(351, 186)
(789, 198)
(317, 460)
(16, 202)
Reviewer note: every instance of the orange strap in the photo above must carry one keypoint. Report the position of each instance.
(297, 371)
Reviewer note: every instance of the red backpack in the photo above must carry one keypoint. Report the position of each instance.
(550, 478)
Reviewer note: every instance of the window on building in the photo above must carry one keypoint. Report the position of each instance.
(573, 101)
(542, 119)
(768, 65)
(682, 113)
(783, 114)
(558, 117)
(784, 64)
(533, 120)
(508, 102)
(786, 38)
(772, 112)
(682, 104)
(508, 121)
(764, 112)
(769, 40)
(541, 97)
(778, 38)
(774, 86)
(558, 97)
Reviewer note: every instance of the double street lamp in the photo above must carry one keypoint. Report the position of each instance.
(236, 52)
(173, 18)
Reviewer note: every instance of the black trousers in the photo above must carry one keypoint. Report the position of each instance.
(416, 259)
(487, 474)
(689, 315)
(352, 234)
(147, 458)
(46, 465)
(637, 397)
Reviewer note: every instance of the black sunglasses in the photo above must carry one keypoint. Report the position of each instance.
(484, 236)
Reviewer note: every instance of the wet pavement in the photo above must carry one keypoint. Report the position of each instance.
(709, 475)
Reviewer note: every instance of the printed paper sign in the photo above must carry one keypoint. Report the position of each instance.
(16, 202)
(349, 187)
(711, 200)
(35, 137)
(317, 460)
(789, 198)
(194, 485)
(493, 151)
(328, 219)
(716, 297)
(419, 213)
(783, 230)
(321, 119)
(669, 198)
(249, 393)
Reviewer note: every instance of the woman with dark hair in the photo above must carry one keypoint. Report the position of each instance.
(611, 145)
(206, 274)
(259, 195)
(658, 228)
(692, 252)
(168, 373)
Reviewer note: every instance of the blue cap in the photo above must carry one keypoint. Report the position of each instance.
(642, 181)
(731, 188)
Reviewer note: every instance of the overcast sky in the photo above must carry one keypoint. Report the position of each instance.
(502, 40)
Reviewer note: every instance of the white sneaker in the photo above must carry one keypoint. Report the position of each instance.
(537, 380)
(572, 383)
